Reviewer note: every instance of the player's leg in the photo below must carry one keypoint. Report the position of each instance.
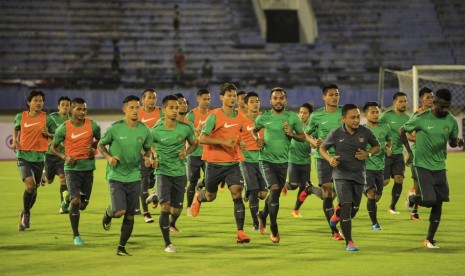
(303, 176)
(75, 181)
(251, 173)
(177, 200)
(31, 177)
(193, 174)
(214, 174)
(164, 187)
(374, 179)
(131, 194)
(235, 180)
(345, 192)
(397, 170)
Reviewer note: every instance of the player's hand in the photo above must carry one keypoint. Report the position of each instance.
(409, 159)
(69, 160)
(155, 163)
(91, 152)
(147, 162)
(15, 146)
(388, 151)
(361, 154)
(334, 161)
(45, 133)
(260, 143)
(229, 142)
(287, 129)
(319, 141)
(113, 161)
(460, 142)
(182, 154)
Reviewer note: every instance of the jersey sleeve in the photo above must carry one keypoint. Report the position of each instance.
(60, 134)
(258, 124)
(51, 125)
(209, 124)
(96, 130)
(17, 123)
(148, 138)
(330, 140)
(190, 116)
(107, 136)
(296, 123)
(412, 124)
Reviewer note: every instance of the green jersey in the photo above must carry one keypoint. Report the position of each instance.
(300, 152)
(383, 134)
(277, 143)
(432, 135)
(395, 122)
(168, 144)
(57, 121)
(322, 123)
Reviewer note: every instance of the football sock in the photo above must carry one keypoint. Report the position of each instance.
(328, 209)
(34, 197)
(173, 220)
(415, 209)
(126, 231)
(434, 219)
(164, 222)
(265, 211)
(372, 210)
(354, 211)
(74, 216)
(273, 206)
(346, 221)
(297, 202)
(239, 213)
(253, 205)
(27, 199)
(191, 192)
(396, 191)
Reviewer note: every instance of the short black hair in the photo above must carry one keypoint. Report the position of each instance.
(130, 98)
(278, 89)
(423, 91)
(308, 106)
(179, 95)
(347, 107)
(328, 86)
(399, 94)
(444, 94)
(63, 98)
(35, 93)
(77, 101)
(227, 87)
(202, 91)
(168, 98)
(250, 94)
(242, 92)
(368, 104)
(146, 91)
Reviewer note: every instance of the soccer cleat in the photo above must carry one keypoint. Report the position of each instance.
(393, 211)
(255, 228)
(153, 198)
(261, 222)
(415, 216)
(334, 218)
(296, 214)
(171, 249)
(376, 226)
(195, 207)
(121, 251)
(241, 237)
(430, 244)
(303, 195)
(408, 203)
(62, 212)
(284, 191)
(338, 237)
(351, 246)
(274, 239)
(78, 240)
(175, 229)
(26, 220)
(106, 221)
(148, 218)
(189, 212)
(20, 224)
(65, 202)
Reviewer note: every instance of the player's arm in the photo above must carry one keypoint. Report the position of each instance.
(59, 137)
(323, 150)
(404, 139)
(97, 136)
(16, 132)
(207, 129)
(101, 146)
(454, 141)
(193, 143)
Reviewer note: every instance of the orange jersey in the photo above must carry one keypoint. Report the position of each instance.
(149, 119)
(30, 136)
(225, 127)
(246, 134)
(199, 118)
(79, 140)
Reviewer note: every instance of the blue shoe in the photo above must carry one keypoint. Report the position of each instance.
(376, 226)
(351, 246)
(78, 240)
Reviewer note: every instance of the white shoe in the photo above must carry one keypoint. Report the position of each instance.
(393, 211)
(189, 212)
(171, 249)
(430, 244)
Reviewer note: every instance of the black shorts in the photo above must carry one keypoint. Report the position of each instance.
(394, 165)
(433, 185)
(194, 164)
(324, 171)
(253, 177)
(80, 183)
(215, 174)
(348, 191)
(34, 169)
(54, 165)
(124, 196)
(274, 173)
(375, 181)
(171, 188)
(299, 174)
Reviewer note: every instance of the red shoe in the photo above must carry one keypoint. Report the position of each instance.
(275, 239)
(284, 191)
(241, 237)
(338, 237)
(334, 218)
(303, 195)
(195, 207)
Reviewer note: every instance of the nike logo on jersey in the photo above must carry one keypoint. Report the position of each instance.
(143, 120)
(29, 125)
(324, 123)
(163, 139)
(228, 126)
(268, 123)
(393, 122)
(122, 137)
(249, 128)
(74, 136)
(201, 122)
(430, 127)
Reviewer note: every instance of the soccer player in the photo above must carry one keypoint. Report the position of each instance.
(426, 100)
(54, 165)
(322, 121)
(222, 154)
(198, 117)
(375, 163)
(394, 165)
(255, 183)
(80, 137)
(149, 114)
(170, 136)
(183, 108)
(241, 105)
(126, 139)
(30, 142)
(434, 129)
(281, 126)
(350, 142)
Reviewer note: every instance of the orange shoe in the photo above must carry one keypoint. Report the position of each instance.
(241, 237)
(174, 229)
(284, 191)
(274, 239)
(195, 207)
(296, 214)
(303, 195)
(415, 216)
(338, 237)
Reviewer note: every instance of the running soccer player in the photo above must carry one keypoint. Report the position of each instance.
(126, 139)
(183, 108)
(241, 105)
(434, 129)
(80, 137)
(394, 165)
(281, 126)
(375, 163)
(350, 142)
(222, 154)
(30, 142)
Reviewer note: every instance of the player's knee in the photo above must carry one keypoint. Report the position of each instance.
(262, 195)
(398, 179)
(386, 182)
(377, 197)
(119, 213)
(176, 212)
(354, 211)
(165, 206)
(371, 194)
(291, 186)
(128, 221)
(428, 203)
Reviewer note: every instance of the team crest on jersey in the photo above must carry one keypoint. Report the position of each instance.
(361, 139)
(446, 129)
(381, 135)
(139, 139)
(179, 138)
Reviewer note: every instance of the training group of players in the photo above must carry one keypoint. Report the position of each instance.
(258, 156)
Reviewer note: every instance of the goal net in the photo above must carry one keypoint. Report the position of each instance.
(435, 77)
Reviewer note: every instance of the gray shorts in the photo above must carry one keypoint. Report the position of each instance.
(374, 181)
(215, 174)
(348, 191)
(324, 171)
(394, 165)
(274, 173)
(171, 188)
(299, 174)
(124, 196)
(54, 165)
(253, 177)
(34, 169)
(433, 185)
(194, 164)
(80, 183)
